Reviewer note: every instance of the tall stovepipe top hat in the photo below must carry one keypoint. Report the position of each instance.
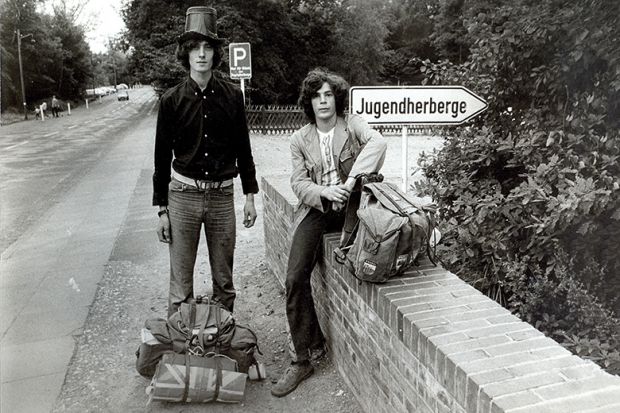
(201, 24)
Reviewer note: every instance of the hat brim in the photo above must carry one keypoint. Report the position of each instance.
(199, 36)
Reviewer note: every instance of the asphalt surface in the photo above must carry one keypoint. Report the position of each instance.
(64, 193)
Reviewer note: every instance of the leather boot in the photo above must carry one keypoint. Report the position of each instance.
(295, 374)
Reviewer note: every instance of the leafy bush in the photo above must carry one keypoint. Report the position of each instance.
(529, 194)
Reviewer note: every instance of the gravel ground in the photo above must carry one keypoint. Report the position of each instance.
(102, 375)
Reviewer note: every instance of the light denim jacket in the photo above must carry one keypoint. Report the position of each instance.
(350, 133)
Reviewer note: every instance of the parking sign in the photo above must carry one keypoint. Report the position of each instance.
(240, 61)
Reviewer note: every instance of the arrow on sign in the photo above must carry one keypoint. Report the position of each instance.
(415, 105)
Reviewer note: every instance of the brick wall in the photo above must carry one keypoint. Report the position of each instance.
(429, 342)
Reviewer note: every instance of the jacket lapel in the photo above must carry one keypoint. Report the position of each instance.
(312, 144)
(340, 136)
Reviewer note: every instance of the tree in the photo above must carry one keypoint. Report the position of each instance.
(288, 39)
(410, 26)
(15, 15)
(71, 70)
(359, 49)
(152, 29)
(54, 54)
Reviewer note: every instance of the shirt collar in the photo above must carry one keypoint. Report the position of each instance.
(193, 86)
(325, 135)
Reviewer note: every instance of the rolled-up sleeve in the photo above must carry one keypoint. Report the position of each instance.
(372, 155)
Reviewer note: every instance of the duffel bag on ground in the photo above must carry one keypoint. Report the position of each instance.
(188, 378)
(213, 330)
(392, 232)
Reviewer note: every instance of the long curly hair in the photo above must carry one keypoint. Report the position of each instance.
(314, 81)
(184, 48)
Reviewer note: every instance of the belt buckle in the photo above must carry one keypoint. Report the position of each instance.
(200, 184)
(204, 185)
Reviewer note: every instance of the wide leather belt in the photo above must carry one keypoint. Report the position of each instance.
(201, 184)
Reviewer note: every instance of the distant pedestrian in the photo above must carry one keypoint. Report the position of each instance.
(55, 106)
(202, 132)
(328, 156)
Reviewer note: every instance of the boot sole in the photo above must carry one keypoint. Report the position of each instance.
(310, 373)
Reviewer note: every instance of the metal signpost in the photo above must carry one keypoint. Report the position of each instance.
(240, 62)
(414, 105)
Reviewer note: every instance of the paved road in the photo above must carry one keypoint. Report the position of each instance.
(42, 160)
(64, 193)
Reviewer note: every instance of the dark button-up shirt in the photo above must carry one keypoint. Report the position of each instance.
(206, 134)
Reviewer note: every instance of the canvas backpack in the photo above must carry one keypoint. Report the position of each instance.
(199, 327)
(392, 232)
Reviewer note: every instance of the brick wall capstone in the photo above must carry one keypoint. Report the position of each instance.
(429, 342)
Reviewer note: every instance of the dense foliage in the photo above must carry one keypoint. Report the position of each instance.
(530, 193)
(288, 38)
(56, 59)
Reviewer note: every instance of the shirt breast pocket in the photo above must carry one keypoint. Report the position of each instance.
(346, 154)
(221, 118)
(346, 161)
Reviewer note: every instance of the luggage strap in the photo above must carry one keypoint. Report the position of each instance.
(218, 377)
(203, 327)
(218, 322)
(188, 340)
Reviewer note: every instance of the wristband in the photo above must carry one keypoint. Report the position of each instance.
(162, 212)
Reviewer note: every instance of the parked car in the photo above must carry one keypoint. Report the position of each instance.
(122, 94)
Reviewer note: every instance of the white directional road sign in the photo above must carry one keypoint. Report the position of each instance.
(240, 61)
(408, 105)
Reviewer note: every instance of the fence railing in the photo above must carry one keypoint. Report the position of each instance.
(286, 119)
(275, 119)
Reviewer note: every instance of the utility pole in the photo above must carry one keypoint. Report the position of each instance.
(92, 67)
(21, 71)
(111, 55)
(114, 66)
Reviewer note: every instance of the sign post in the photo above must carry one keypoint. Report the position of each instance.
(414, 105)
(240, 62)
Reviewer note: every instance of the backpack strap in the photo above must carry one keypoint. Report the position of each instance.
(188, 340)
(354, 203)
(192, 321)
(218, 377)
(218, 322)
(186, 379)
(350, 218)
(204, 326)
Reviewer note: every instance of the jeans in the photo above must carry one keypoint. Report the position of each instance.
(307, 243)
(189, 209)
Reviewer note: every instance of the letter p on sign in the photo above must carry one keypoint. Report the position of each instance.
(239, 54)
(240, 61)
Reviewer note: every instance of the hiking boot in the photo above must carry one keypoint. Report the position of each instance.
(295, 374)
